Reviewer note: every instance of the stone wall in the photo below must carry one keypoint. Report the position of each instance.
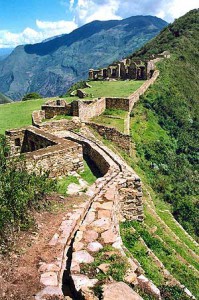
(58, 160)
(136, 95)
(121, 140)
(117, 103)
(15, 138)
(94, 224)
(73, 124)
(128, 183)
(37, 117)
(88, 109)
(51, 111)
(34, 140)
(46, 152)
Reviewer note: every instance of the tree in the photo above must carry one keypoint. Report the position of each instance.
(31, 96)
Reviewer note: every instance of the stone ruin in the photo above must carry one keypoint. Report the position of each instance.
(60, 146)
(134, 69)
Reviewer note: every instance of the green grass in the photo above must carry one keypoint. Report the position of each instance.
(151, 221)
(18, 114)
(63, 183)
(117, 122)
(139, 251)
(112, 88)
(169, 220)
(115, 112)
(87, 175)
(145, 127)
(104, 120)
(165, 253)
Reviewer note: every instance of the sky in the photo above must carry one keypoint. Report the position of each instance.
(31, 21)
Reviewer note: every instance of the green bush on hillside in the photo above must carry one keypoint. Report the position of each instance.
(19, 191)
(31, 96)
(74, 87)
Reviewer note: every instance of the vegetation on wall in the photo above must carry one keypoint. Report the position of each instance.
(165, 121)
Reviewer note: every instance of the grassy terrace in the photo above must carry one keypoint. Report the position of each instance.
(113, 118)
(18, 114)
(112, 88)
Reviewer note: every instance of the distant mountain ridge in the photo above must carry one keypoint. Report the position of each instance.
(52, 66)
(4, 52)
(4, 99)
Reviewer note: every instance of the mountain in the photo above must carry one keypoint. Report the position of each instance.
(4, 52)
(4, 99)
(167, 119)
(52, 66)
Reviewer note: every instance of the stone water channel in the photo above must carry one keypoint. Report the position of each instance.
(89, 228)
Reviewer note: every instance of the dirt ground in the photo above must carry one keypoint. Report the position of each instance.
(19, 276)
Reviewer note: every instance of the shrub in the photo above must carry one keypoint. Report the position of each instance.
(19, 191)
(31, 96)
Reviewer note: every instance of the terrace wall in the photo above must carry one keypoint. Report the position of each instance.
(117, 103)
(88, 109)
(121, 140)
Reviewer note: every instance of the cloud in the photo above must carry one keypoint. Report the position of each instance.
(89, 10)
(177, 8)
(56, 28)
(84, 11)
(29, 36)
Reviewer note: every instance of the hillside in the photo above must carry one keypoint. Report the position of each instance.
(4, 99)
(165, 121)
(52, 66)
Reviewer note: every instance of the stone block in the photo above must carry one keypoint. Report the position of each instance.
(119, 291)
(49, 279)
(82, 257)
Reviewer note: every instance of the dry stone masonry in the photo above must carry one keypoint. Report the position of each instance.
(45, 152)
(56, 146)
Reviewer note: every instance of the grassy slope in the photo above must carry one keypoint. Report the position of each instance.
(165, 121)
(18, 114)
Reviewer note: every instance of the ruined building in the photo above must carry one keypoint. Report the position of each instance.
(135, 69)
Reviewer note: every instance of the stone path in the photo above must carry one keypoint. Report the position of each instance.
(96, 224)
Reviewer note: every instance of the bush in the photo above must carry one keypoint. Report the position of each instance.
(173, 292)
(74, 87)
(19, 191)
(31, 96)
